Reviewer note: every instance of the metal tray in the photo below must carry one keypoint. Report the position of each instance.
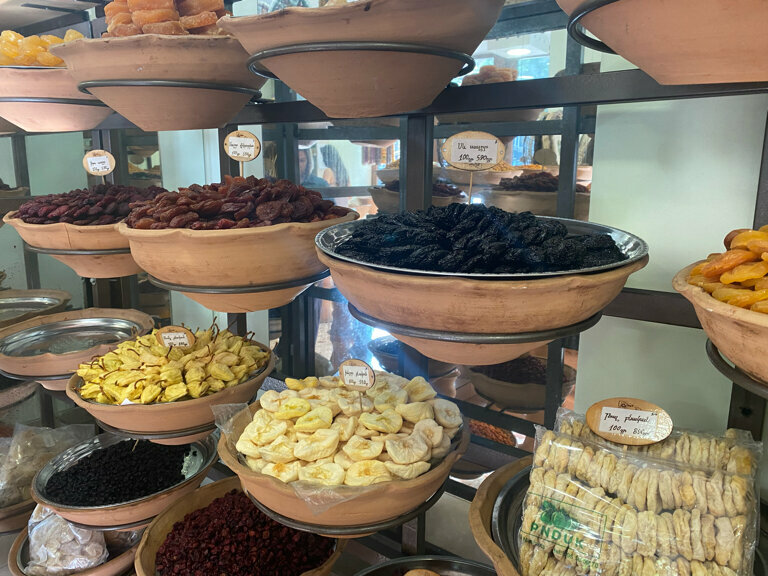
(507, 515)
(443, 565)
(15, 308)
(634, 249)
(196, 462)
(66, 336)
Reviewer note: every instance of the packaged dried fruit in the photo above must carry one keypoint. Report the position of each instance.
(686, 505)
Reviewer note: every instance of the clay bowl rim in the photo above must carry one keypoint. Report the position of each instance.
(235, 485)
(14, 220)
(18, 544)
(17, 509)
(231, 233)
(51, 69)
(199, 476)
(701, 298)
(232, 461)
(145, 320)
(73, 386)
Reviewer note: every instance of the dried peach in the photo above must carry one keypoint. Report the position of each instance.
(728, 292)
(727, 261)
(117, 19)
(740, 240)
(125, 30)
(748, 298)
(199, 20)
(743, 272)
(761, 306)
(114, 8)
(144, 17)
(168, 28)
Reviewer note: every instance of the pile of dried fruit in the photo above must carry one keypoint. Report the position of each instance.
(16, 50)
(143, 371)
(231, 536)
(476, 239)
(170, 17)
(537, 182)
(490, 75)
(441, 189)
(319, 432)
(99, 205)
(122, 472)
(502, 167)
(237, 203)
(739, 276)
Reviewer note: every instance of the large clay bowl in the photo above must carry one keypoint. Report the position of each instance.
(166, 417)
(7, 128)
(62, 236)
(388, 201)
(738, 333)
(481, 514)
(16, 517)
(356, 84)
(685, 41)
(135, 512)
(18, 556)
(156, 533)
(57, 364)
(34, 82)
(202, 59)
(462, 305)
(52, 301)
(232, 258)
(540, 203)
(375, 503)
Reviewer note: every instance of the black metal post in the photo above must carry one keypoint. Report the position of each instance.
(418, 163)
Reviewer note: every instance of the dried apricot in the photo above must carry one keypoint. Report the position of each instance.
(743, 272)
(114, 8)
(763, 228)
(761, 306)
(740, 240)
(731, 235)
(199, 20)
(168, 28)
(761, 284)
(727, 261)
(117, 19)
(712, 286)
(143, 17)
(136, 5)
(751, 283)
(748, 298)
(728, 292)
(192, 7)
(757, 246)
(698, 280)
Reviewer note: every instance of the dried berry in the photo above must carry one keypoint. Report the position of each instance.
(537, 182)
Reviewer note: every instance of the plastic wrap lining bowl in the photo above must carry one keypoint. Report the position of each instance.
(216, 60)
(38, 82)
(738, 333)
(380, 502)
(685, 41)
(356, 84)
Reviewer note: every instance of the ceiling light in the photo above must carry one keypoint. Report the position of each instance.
(518, 52)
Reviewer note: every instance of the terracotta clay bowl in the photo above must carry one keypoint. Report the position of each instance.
(18, 556)
(686, 41)
(481, 515)
(156, 533)
(388, 201)
(169, 417)
(20, 192)
(16, 517)
(740, 334)
(463, 305)
(134, 512)
(7, 128)
(62, 236)
(376, 503)
(36, 82)
(36, 332)
(356, 84)
(540, 203)
(216, 60)
(29, 304)
(232, 258)
(486, 178)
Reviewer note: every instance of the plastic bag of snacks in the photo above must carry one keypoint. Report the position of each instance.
(31, 449)
(684, 506)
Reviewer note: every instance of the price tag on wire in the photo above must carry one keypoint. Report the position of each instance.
(242, 146)
(176, 336)
(474, 152)
(99, 163)
(629, 421)
(356, 375)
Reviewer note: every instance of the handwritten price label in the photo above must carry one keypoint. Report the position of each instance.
(629, 421)
(242, 146)
(473, 151)
(176, 336)
(99, 162)
(356, 374)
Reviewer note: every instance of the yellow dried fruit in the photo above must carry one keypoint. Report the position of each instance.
(750, 271)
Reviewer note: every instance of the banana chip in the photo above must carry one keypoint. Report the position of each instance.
(407, 471)
(388, 421)
(326, 474)
(366, 473)
(359, 448)
(321, 444)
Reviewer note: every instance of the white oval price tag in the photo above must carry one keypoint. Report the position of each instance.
(473, 151)
(242, 146)
(99, 162)
(356, 374)
(176, 336)
(629, 421)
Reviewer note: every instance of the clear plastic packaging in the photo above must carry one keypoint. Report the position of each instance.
(686, 506)
(31, 448)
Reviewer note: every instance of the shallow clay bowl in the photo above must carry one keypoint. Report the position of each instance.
(201, 59)
(540, 203)
(18, 556)
(485, 178)
(134, 512)
(481, 515)
(16, 517)
(164, 417)
(62, 236)
(57, 364)
(7, 128)
(156, 533)
(356, 84)
(685, 41)
(375, 503)
(232, 258)
(740, 334)
(388, 201)
(55, 301)
(37, 82)
(462, 305)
